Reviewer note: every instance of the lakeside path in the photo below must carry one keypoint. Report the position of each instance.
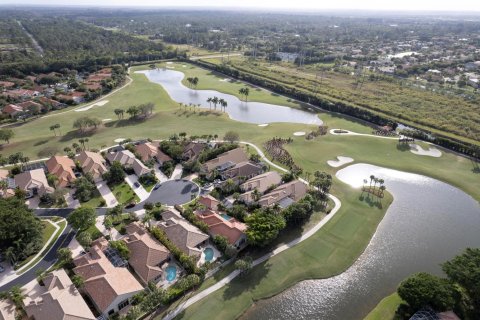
(199, 296)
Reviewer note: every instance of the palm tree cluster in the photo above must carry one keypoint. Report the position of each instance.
(192, 82)
(378, 192)
(274, 148)
(217, 101)
(244, 92)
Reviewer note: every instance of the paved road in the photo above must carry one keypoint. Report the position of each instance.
(49, 259)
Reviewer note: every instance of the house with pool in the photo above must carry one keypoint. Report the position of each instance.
(226, 226)
(107, 281)
(148, 257)
(183, 235)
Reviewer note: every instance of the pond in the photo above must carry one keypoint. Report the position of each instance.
(428, 223)
(250, 112)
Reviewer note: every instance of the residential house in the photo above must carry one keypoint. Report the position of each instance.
(12, 110)
(92, 163)
(261, 183)
(285, 194)
(33, 182)
(128, 160)
(21, 93)
(31, 106)
(147, 255)
(224, 161)
(109, 287)
(73, 97)
(59, 299)
(474, 82)
(7, 84)
(7, 310)
(49, 103)
(62, 168)
(209, 202)
(245, 169)
(185, 236)
(229, 227)
(193, 150)
(150, 150)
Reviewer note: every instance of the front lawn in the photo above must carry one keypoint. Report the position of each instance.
(94, 232)
(124, 193)
(120, 222)
(96, 200)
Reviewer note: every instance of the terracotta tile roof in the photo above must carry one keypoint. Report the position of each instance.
(209, 202)
(236, 156)
(125, 157)
(150, 150)
(104, 282)
(6, 84)
(30, 104)
(21, 93)
(3, 174)
(146, 253)
(61, 167)
(295, 190)
(243, 169)
(29, 180)
(232, 229)
(184, 235)
(193, 150)
(12, 109)
(61, 300)
(92, 162)
(261, 182)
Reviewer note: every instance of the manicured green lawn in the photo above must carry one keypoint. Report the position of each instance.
(124, 193)
(385, 310)
(122, 221)
(328, 252)
(48, 230)
(94, 232)
(47, 233)
(96, 201)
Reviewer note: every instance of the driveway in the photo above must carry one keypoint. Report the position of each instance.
(71, 203)
(107, 194)
(177, 172)
(140, 191)
(159, 174)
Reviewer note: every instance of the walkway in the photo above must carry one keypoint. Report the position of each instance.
(199, 296)
(351, 133)
(140, 191)
(107, 194)
(159, 174)
(177, 172)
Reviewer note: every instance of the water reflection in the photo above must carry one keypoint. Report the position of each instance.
(251, 112)
(428, 223)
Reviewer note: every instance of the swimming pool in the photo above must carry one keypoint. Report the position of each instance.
(208, 254)
(226, 216)
(171, 271)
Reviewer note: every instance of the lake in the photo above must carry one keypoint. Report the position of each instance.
(250, 112)
(428, 223)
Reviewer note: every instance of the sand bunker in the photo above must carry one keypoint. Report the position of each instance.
(105, 120)
(119, 140)
(431, 152)
(224, 80)
(340, 162)
(299, 133)
(169, 62)
(96, 104)
(263, 125)
(170, 67)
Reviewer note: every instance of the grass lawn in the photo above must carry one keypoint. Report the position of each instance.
(328, 252)
(96, 200)
(148, 187)
(48, 231)
(123, 220)
(385, 310)
(94, 232)
(124, 193)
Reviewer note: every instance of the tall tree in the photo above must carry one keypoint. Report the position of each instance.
(82, 218)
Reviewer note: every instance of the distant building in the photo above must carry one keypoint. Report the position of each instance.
(286, 56)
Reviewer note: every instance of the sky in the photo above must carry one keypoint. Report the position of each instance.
(398, 5)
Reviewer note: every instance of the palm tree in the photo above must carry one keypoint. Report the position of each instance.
(82, 142)
(195, 82)
(382, 190)
(52, 128)
(86, 141)
(223, 104)
(180, 105)
(371, 179)
(215, 101)
(209, 101)
(244, 92)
